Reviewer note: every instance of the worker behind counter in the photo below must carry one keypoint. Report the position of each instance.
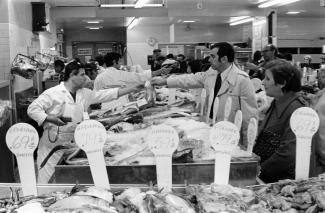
(223, 80)
(276, 143)
(60, 108)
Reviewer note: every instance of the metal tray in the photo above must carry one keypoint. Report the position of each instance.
(243, 172)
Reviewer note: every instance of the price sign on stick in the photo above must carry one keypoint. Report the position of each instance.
(163, 141)
(171, 96)
(215, 110)
(304, 122)
(203, 98)
(238, 119)
(251, 134)
(228, 108)
(22, 140)
(90, 135)
(224, 137)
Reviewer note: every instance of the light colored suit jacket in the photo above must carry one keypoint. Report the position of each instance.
(236, 85)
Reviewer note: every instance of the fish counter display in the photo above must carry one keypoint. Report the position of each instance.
(286, 196)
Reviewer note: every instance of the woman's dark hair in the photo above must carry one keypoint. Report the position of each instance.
(285, 73)
(225, 49)
(73, 67)
(170, 56)
(257, 56)
(100, 60)
(58, 63)
(195, 65)
(109, 58)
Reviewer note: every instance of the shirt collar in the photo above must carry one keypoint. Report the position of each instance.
(225, 73)
(283, 102)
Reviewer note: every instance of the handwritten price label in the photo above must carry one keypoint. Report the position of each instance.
(22, 138)
(224, 136)
(163, 140)
(90, 135)
(304, 122)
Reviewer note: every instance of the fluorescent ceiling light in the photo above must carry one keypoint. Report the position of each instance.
(241, 21)
(130, 5)
(140, 3)
(93, 21)
(293, 12)
(189, 21)
(276, 2)
(237, 18)
(94, 27)
(260, 1)
(133, 23)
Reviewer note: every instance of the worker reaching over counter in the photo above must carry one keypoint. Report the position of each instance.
(59, 110)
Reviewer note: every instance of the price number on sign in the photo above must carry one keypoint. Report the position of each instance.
(304, 122)
(90, 135)
(163, 140)
(22, 138)
(224, 136)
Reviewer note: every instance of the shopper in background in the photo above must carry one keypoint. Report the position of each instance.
(269, 53)
(155, 65)
(257, 59)
(101, 65)
(321, 77)
(59, 110)
(170, 56)
(222, 80)
(194, 66)
(183, 65)
(206, 63)
(276, 143)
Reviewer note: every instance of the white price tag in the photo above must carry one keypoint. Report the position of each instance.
(304, 122)
(22, 140)
(238, 119)
(224, 137)
(171, 96)
(251, 134)
(163, 141)
(90, 135)
(228, 108)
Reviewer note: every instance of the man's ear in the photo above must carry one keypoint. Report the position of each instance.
(224, 59)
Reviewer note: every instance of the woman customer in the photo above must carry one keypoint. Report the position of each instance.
(59, 110)
(276, 143)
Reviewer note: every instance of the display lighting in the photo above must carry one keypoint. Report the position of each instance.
(140, 3)
(133, 23)
(237, 18)
(293, 12)
(189, 21)
(129, 5)
(276, 3)
(93, 21)
(94, 27)
(242, 21)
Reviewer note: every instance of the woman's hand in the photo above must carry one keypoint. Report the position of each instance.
(55, 120)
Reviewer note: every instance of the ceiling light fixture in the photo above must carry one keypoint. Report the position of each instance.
(130, 5)
(293, 12)
(140, 3)
(189, 21)
(134, 22)
(93, 21)
(242, 21)
(237, 18)
(94, 27)
(276, 2)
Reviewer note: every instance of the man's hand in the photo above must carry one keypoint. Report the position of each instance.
(55, 120)
(159, 81)
(251, 66)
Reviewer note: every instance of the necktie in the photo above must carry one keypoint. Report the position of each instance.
(216, 90)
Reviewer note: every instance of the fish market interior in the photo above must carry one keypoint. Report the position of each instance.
(145, 106)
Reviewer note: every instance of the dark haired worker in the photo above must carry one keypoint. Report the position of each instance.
(223, 79)
(68, 99)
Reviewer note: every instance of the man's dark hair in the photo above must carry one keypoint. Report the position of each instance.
(73, 67)
(109, 58)
(161, 58)
(58, 63)
(273, 48)
(170, 56)
(288, 56)
(100, 60)
(156, 51)
(285, 73)
(225, 49)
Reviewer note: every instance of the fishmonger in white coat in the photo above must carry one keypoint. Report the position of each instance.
(67, 100)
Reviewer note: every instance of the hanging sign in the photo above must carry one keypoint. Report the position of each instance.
(224, 137)
(90, 136)
(238, 119)
(251, 134)
(228, 108)
(304, 122)
(22, 140)
(163, 141)
(84, 51)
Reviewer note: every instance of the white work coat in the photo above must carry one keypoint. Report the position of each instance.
(114, 78)
(58, 101)
(236, 85)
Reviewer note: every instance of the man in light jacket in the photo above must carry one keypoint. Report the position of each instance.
(224, 79)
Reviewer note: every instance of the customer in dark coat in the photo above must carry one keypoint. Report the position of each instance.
(276, 143)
